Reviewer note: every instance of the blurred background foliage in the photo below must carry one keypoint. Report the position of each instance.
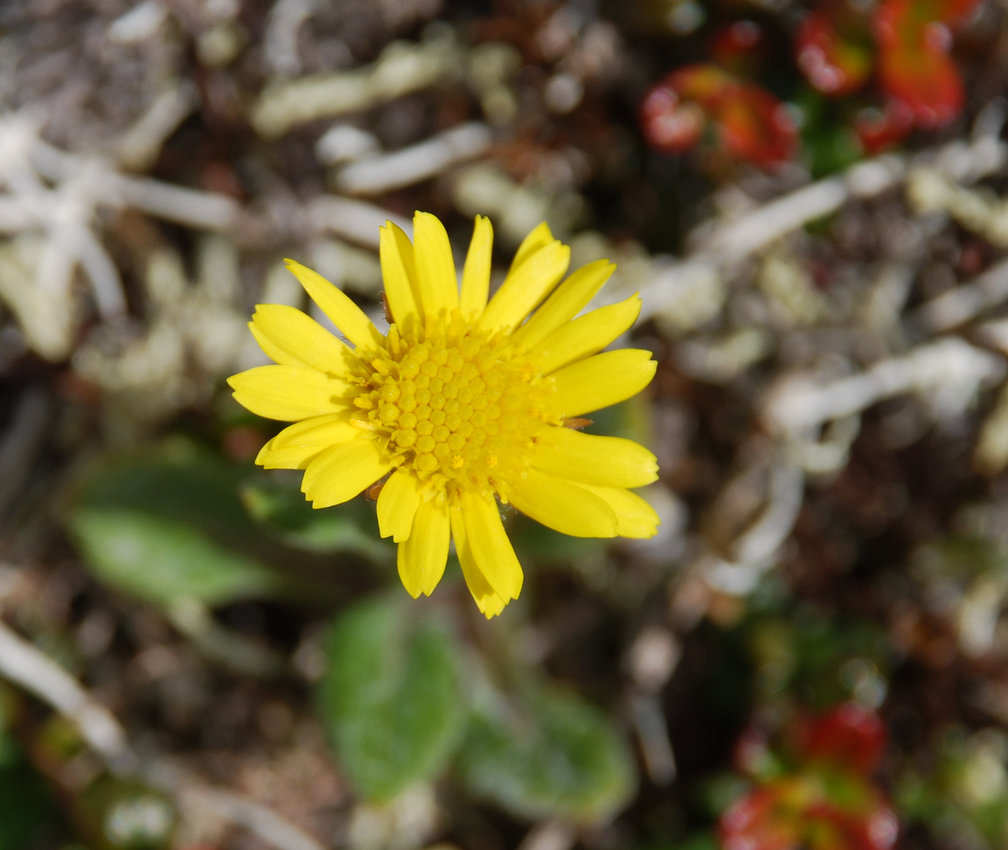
(812, 653)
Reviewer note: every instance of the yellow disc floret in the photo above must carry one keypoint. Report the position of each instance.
(457, 407)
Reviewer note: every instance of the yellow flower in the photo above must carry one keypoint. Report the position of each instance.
(465, 400)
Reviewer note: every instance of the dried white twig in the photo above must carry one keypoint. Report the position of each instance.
(550, 835)
(357, 221)
(963, 303)
(401, 68)
(415, 163)
(197, 209)
(733, 240)
(755, 550)
(253, 817)
(139, 23)
(651, 726)
(31, 669)
(947, 372)
(140, 145)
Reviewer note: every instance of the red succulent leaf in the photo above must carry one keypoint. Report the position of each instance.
(925, 79)
(739, 118)
(757, 127)
(670, 123)
(708, 84)
(676, 111)
(763, 819)
(741, 47)
(793, 812)
(955, 12)
(880, 129)
(914, 64)
(911, 15)
(849, 737)
(834, 48)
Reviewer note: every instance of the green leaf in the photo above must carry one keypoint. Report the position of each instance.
(391, 698)
(281, 510)
(166, 527)
(27, 809)
(552, 755)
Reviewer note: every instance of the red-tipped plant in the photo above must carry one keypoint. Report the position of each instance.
(825, 800)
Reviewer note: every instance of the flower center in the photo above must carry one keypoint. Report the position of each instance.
(457, 407)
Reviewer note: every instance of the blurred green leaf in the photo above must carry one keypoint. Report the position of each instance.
(961, 558)
(821, 660)
(26, 806)
(550, 755)
(391, 698)
(829, 144)
(281, 509)
(960, 792)
(168, 526)
(535, 542)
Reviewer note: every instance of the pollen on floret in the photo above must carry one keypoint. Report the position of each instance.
(456, 407)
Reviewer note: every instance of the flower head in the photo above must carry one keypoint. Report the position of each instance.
(465, 400)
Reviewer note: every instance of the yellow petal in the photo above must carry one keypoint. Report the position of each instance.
(352, 322)
(292, 338)
(489, 545)
(396, 255)
(565, 303)
(524, 287)
(476, 272)
(636, 518)
(297, 444)
(539, 237)
(562, 505)
(342, 471)
(601, 380)
(435, 266)
(289, 393)
(593, 458)
(397, 505)
(422, 556)
(585, 335)
(488, 600)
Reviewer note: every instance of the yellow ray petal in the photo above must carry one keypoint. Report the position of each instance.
(585, 335)
(565, 303)
(289, 393)
(562, 505)
(342, 471)
(397, 505)
(488, 600)
(476, 272)
(297, 444)
(636, 517)
(489, 545)
(422, 556)
(352, 322)
(601, 380)
(292, 338)
(316, 430)
(435, 266)
(524, 287)
(593, 458)
(396, 255)
(539, 237)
